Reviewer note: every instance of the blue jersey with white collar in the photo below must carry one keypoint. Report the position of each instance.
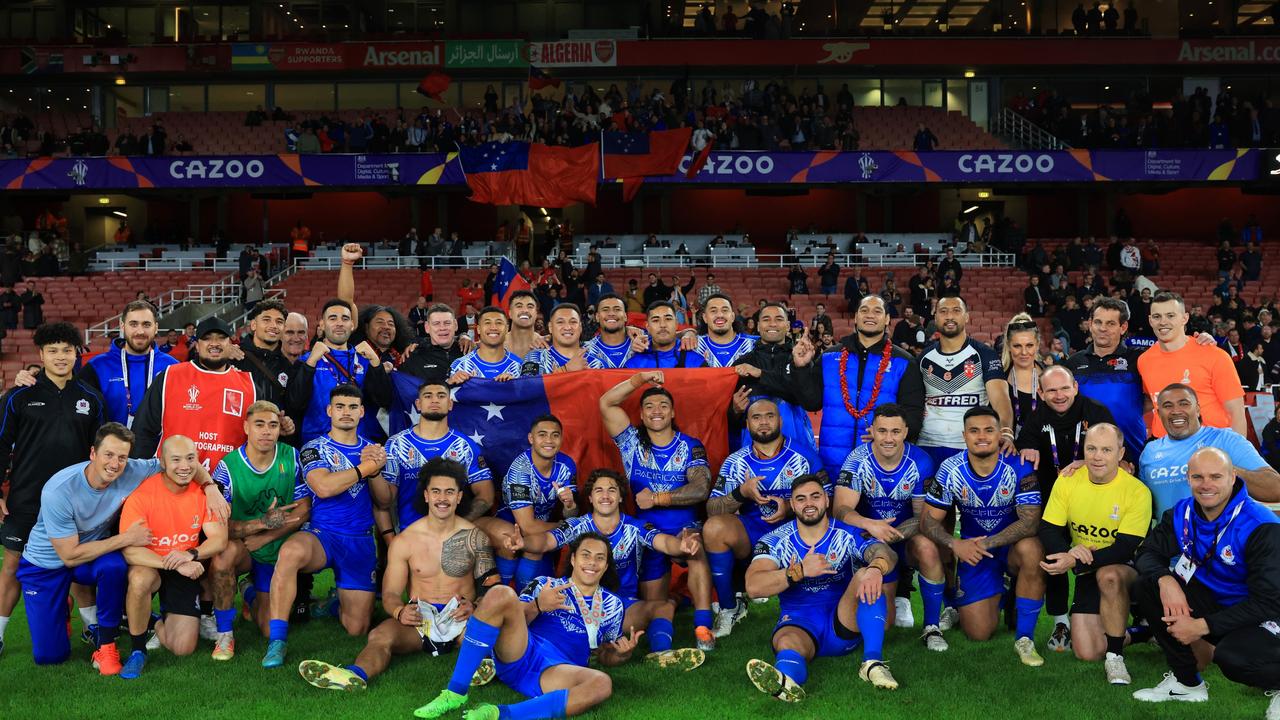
(776, 472)
(603, 356)
(661, 469)
(564, 628)
(471, 362)
(629, 541)
(986, 504)
(351, 511)
(407, 452)
(845, 548)
(723, 355)
(338, 367)
(887, 494)
(525, 487)
(664, 359)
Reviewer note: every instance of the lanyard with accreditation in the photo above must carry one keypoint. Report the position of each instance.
(1187, 563)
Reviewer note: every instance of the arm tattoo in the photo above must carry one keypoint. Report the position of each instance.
(479, 507)
(464, 552)
(880, 550)
(696, 489)
(911, 526)
(933, 529)
(722, 505)
(1025, 526)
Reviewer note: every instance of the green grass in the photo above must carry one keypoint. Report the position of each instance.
(977, 681)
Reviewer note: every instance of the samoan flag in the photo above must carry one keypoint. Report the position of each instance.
(521, 173)
(632, 156)
(507, 281)
(497, 415)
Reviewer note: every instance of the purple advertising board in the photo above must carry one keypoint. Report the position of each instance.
(409, 169)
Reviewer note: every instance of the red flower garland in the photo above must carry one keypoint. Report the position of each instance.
(885, 357)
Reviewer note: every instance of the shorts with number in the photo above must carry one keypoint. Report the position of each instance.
(261, 573)
(525, 674)
(986, 579)
(179, 594)
(15, 530)
(653, 564)
(354, 558)
(822, 624)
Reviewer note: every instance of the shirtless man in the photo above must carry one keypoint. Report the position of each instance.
(447, 564)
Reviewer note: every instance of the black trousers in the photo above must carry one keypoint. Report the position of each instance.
(1249, 655)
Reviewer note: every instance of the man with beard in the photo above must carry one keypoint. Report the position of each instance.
(829, 581)
(169, 504)
(330, 363)
(408, 451)
(444, 562)
(522, 310)
(768, 369)
(204, 399)
(669, 475)
(661, 348)
(629, 540)
(999, 507)
(127, 369)
(383, 327)
(1052, 438)
(881, 492)
(566, 352)
(1163, 466)
(748, 501)
(723, 344)
(960, 373)
(262, 481)
(296, 337)
(848, 381)
(490, 359)
(612, 347)
(539, 479)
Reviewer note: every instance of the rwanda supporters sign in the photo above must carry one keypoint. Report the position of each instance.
(497, 415)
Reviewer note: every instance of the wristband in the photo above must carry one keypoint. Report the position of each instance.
(662, 499)
(384, 533)
(195, 555)
(737, 495)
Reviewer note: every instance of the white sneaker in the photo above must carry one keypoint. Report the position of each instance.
(903, 617)
(1117, 673)
(1171, 689)
(208, 628)
(933, 639)
(1026, 649)
(948, 618)
(726, 619)
(1273, 710)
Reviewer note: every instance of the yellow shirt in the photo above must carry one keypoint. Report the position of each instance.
(1095, 513)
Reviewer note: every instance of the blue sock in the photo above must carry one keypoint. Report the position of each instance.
(722, 577)
(871, 624)
(931, 594)
(793, 665)
(550, 705)
(506, 568)
(702, 618)
(358, 671)
(226, 619)
(1028, 612)
(527, 570)
(278, 629)
(660, 632)
(250, 594)
(477, 644)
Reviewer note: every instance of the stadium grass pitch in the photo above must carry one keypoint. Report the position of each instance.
(972, 681)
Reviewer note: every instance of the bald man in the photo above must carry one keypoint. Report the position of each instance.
(1092, 525)
(175, 510)
(1210, 572)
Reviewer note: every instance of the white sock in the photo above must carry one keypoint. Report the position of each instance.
(4, 623)
(1064, 619)
(89, 615)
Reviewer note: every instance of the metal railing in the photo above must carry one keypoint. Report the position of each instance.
(1023, 134)
(104, 262)
(219, 292)
(237, 321)
(397, 262)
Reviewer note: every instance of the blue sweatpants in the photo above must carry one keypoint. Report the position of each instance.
(44, 594)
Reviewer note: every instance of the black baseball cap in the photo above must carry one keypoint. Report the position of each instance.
(212, 324)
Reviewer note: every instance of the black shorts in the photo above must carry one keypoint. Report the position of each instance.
(15, 531)
(433, 648)
(1087, 599)
(179, 594)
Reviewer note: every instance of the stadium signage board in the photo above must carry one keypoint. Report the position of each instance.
(574, 53)
(462, 54)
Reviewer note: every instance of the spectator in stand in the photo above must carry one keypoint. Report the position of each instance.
(821, 323)
(255, 118)
(252, 289)
(708, 289)
(1219, 133)
(1093, 20)
(729, 21)
(1079, 19)
(32, 307)
(1251, 263)
(924, 140)
(1251, 232)
(1271, 440)
(1033, 297)
(949, 265)
(10, 303)
(829, 275)
(308, 142)
(1111, 18)
(798, 281)
(602, 287)
(1131, 18)
(470, 294)
(299, 241)
(247, 260)
(158, 141)
(1226, 259)
(126, 143)
(123, 235)
(182, 146)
